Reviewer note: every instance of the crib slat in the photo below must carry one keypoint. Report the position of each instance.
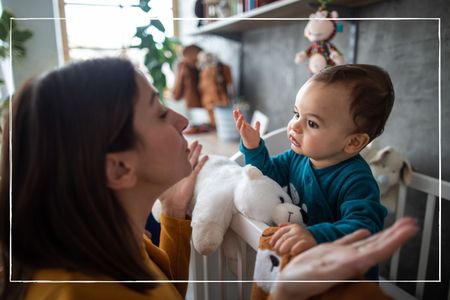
(206, 276)
(401, 206)
(221, 267)
(242, 262)
(193, 264)
(425, 246)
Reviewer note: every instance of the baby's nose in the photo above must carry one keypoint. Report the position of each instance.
(298, 126)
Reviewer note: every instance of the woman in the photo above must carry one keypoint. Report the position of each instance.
(92, 149)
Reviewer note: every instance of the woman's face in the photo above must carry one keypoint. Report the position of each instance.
(162, 151)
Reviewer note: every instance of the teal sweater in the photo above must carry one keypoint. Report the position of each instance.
(335, 200)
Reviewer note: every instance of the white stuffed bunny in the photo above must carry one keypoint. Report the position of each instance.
(388, 167)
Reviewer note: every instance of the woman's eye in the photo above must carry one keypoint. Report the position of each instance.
(296, 115)
(164, 113)
(313, 124)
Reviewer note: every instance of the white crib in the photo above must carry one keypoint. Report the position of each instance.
(211, 277)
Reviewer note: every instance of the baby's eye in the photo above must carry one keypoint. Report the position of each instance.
(296, 115)
(312, 124)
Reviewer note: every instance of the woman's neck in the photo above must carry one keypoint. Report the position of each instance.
(137, 205)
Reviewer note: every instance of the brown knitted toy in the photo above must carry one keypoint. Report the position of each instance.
(187, 78)
(214, 84)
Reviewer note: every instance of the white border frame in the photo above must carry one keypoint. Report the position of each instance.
(231, 281)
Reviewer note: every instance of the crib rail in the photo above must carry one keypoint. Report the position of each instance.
(248, 231)
(434, 190)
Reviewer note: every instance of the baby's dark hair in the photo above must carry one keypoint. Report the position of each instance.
(372, 95)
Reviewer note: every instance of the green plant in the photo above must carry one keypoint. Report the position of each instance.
(160, 50)
(18, 36)
(14, 38)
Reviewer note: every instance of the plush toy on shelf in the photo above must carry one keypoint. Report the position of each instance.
(215, 83)
(319, 31)
(223, 189)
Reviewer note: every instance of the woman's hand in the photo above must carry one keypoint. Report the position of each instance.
(175, 200)
(347, 258)
(250, 136)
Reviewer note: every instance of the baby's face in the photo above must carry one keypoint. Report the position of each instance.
(322, 123)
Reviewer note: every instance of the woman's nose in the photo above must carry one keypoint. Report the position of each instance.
(181, 122)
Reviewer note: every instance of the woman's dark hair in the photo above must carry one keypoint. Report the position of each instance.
(372, 94)
(63, 214)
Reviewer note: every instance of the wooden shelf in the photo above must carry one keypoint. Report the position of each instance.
(237, 24)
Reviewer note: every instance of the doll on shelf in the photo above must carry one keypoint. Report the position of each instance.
(215, 83)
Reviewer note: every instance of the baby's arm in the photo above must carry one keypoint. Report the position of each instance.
(250, 136)
(292, 239)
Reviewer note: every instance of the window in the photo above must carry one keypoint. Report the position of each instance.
(106, 27)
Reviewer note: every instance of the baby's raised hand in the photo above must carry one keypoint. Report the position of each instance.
(250, 136)
(292, 239)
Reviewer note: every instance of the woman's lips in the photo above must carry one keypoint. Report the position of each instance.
(294, 141)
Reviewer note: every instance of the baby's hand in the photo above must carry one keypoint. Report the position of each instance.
(292, 239)
(250, 136)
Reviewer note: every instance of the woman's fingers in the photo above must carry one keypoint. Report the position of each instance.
(194, 153)
(386, 244)
(198, 167)
(353, 237)
(299, 247)
(192, 148)
(389, 234)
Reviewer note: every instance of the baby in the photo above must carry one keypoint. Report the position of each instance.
(337, 113)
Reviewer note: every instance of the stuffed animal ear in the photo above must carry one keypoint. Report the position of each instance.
(407, 171)
(252, 172)
(333, 14)
(380, 154)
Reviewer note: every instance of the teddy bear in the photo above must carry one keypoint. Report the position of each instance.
(224, 188)
(388, 167)
(215, 83)
(319, 31)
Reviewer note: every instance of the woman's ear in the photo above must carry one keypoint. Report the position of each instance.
(120, 171)
(356, 142)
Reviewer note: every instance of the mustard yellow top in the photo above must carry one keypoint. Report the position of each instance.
(168, 262)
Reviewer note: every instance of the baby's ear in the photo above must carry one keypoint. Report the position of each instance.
(356, 142)
(120, 171)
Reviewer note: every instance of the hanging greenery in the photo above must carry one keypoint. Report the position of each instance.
(19, 36)
(14, 38)
(159, 51)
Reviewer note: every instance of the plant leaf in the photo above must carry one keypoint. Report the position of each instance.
(158, 25)
(143, 4)
(141, 31)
